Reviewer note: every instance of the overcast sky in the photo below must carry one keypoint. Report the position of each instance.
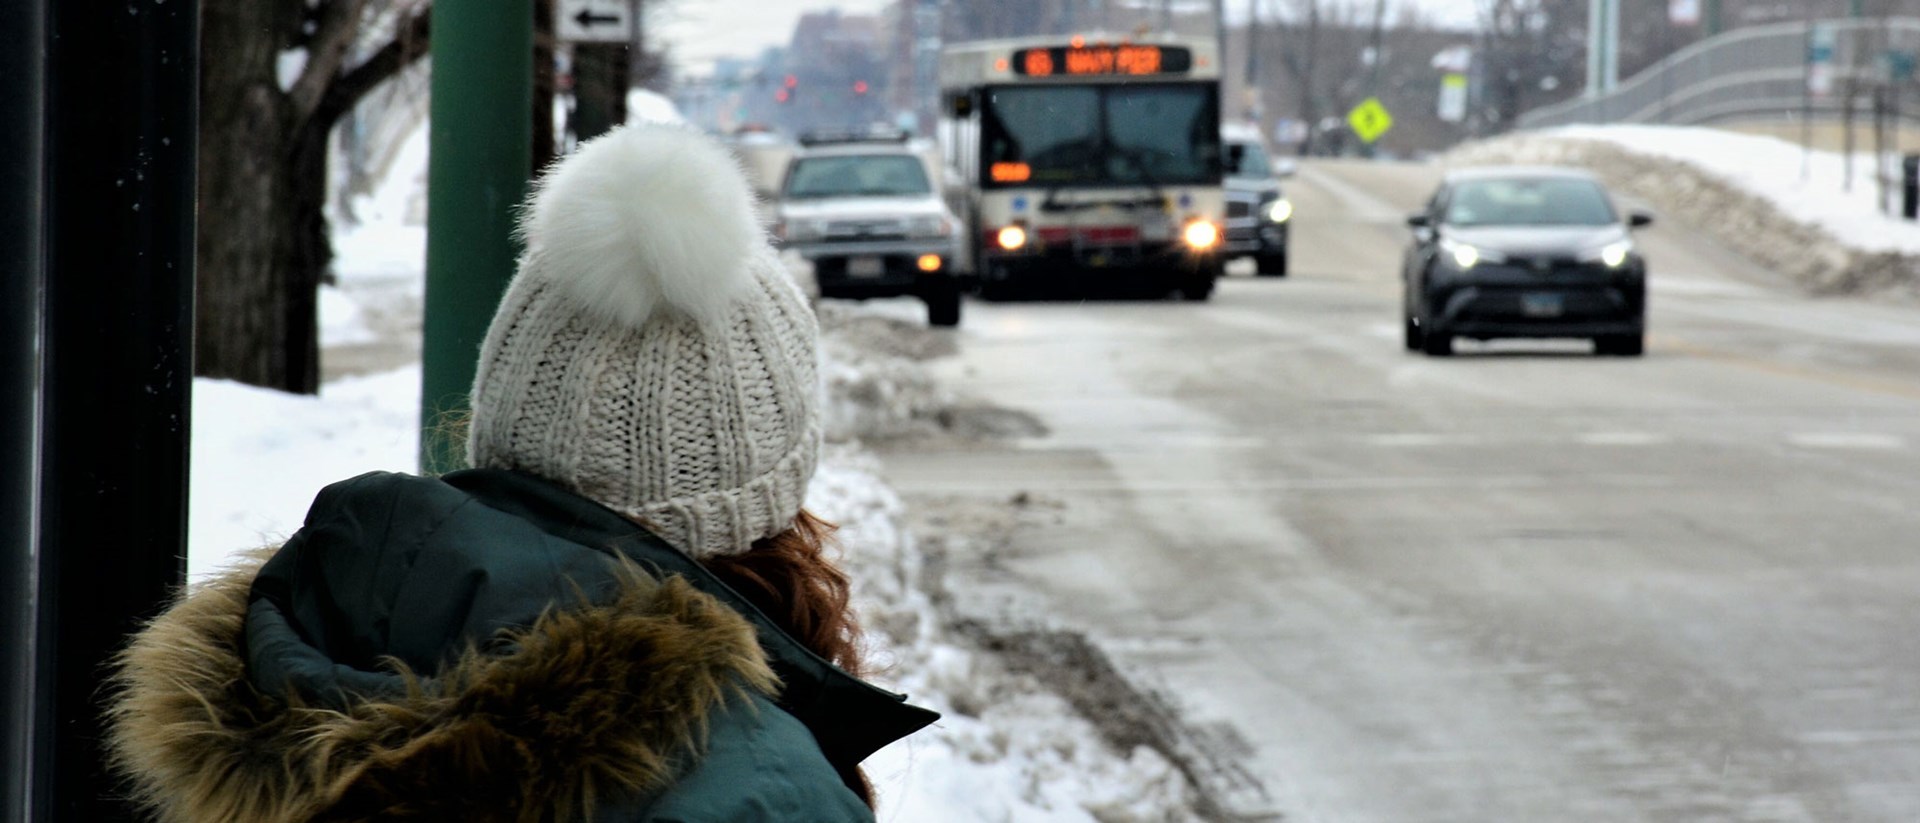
(702, 30)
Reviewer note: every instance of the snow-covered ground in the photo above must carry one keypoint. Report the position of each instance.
(1809, 186)
(1006, 749)
(1789, 208)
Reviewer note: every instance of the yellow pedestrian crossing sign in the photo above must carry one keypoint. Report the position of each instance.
(1370, 119)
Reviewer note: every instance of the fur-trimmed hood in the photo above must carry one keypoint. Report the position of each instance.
(254, 697)
(593, 704)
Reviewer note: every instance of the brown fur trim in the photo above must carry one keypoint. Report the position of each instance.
(593, 704)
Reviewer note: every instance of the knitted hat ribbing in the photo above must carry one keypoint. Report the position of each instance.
(652, 353)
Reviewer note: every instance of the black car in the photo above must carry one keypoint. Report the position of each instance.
(1524, 252)
(1257, 210)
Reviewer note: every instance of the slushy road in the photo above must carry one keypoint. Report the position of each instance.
(1520, 584)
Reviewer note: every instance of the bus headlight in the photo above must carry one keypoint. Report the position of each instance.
(1201, 235)
(1012, 238)
(1280, 211)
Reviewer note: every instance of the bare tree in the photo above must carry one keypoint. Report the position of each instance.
(1531, 52)
(276, 75)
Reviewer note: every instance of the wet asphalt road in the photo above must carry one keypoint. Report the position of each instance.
(1521, 584)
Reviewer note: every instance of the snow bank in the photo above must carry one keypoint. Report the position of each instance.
(260, 455)
(1004, 749)
(1748, 192)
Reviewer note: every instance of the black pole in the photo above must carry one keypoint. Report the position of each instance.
(121, 115)
(22, 257)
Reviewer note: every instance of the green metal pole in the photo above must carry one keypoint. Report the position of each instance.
(1713, 17)
(481, 144)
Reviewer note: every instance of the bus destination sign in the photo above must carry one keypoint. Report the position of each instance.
(1125, 59)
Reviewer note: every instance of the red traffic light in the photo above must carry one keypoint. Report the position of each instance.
(792, 81)
(782, 96)
(859, 87)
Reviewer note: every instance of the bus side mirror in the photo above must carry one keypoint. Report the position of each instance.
(1639, 220)
(961, 105)
(1236, 154)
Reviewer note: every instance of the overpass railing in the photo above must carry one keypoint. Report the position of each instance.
(1761, 71)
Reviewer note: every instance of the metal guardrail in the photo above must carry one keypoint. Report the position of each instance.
(1759, 71)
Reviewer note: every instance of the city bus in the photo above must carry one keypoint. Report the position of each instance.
(1080, 160)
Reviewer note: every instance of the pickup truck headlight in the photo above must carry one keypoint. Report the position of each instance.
(935, 226)
(1280, 210)
(798, 230)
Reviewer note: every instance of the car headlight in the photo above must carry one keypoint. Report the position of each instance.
(798, 230)
(1280, 211)
(1466, 256)
(1613, 255)
(930, 226)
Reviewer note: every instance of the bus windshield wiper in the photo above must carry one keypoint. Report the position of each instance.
(1133, 156)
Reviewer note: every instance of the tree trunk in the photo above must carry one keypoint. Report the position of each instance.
(600, 79)
(263, 237)
(543, 86)
(251, 214)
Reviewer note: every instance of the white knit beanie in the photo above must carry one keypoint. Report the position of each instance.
(652, 353)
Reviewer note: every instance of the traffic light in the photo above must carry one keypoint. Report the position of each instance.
(859, 87)
(783, 95)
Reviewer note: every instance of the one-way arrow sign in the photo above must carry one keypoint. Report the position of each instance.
(594, 21)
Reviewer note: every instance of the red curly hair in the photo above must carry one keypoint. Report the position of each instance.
(790, 577)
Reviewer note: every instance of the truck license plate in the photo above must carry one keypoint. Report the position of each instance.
(866, 267)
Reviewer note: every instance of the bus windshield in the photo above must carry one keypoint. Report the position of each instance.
(1132, 134)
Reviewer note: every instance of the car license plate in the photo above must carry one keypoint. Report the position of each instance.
(1542, 304)
(866, 267)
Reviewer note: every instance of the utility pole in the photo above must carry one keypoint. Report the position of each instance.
(1379, 55)
(1256, 110)
(480, 151)
(1713, 17)
(1309, 101)
(1603, 46)
(1220, 29)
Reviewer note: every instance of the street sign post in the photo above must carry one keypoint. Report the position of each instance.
(1452, 107)
(594, 21)
(1820, 60)
(1369, 120)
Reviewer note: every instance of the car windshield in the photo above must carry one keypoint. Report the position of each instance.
(1529, 202)
(857, 175)
(1253, 162)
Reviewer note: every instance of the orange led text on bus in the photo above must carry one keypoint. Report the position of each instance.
(1039, 62)
(1092, 60)
(1011, 172)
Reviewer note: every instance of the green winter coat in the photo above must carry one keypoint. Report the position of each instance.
(485, 647)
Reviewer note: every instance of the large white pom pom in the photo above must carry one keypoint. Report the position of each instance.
(643, 217)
